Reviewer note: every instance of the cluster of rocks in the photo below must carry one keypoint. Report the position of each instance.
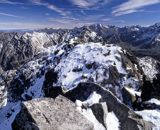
(59, 112)
(50, 114)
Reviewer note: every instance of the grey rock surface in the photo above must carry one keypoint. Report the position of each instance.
(50, 114)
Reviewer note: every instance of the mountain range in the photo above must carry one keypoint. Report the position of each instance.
(101, 74)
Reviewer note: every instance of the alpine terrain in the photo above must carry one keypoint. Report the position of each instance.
(94, 77)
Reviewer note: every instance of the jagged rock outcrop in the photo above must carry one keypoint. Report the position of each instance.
(151, 89)
(50, 114)
(127, 118)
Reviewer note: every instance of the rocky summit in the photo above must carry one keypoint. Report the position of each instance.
(50, 114)
(89, 78)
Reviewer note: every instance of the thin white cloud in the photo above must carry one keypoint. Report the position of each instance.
(88, 3)
(47, 14)
(9, 15)
(75, 22)
(132, 6)
(50, 6)
(82, 3)
(106, 19)
(10, 2)
(64, 20)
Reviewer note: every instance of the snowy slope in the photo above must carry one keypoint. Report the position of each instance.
(88, 54)
(94, 62)
(152, 116)
(112, 121)
(149, 66)
(88, 62)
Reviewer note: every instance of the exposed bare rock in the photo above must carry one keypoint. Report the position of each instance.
(50, 114)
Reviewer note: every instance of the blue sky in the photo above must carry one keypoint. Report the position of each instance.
(33, 14)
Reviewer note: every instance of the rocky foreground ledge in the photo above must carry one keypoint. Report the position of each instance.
(94, 107)
(50, 114)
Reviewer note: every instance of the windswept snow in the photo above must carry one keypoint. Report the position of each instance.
(90, 116)
(92, 99)
(153, 100)
(149, 67)
(112, 121)
(93, 35)
(152, 116)
(88, 61)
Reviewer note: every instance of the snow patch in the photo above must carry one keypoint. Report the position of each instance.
(112, 121)
(92, 99)
(153, 100)
(93, 35)
(90, 116)
(157, 38)
(152, 116)
(148, 65)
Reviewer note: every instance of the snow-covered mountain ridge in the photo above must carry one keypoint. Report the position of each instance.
(44, 64)
(24, 46)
